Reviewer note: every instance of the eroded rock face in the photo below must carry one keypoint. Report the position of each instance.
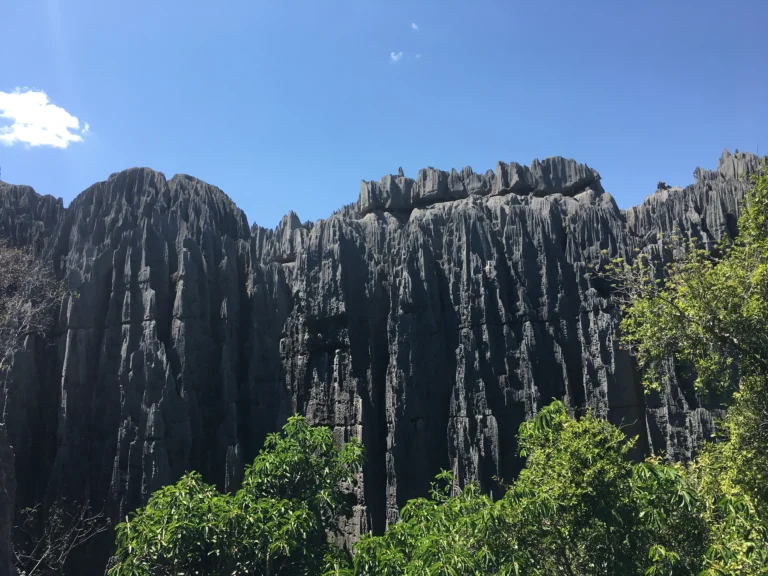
(7, 501)
(549, 176)
(430, 319)
(26, 218)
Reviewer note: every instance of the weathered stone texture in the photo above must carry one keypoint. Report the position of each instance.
(7, 502)
(26, 218)
(430, 319)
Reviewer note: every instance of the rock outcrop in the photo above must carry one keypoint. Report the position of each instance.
(549, 176)
(26, 218)
(429, 319)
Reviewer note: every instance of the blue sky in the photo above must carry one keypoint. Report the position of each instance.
(289, 104)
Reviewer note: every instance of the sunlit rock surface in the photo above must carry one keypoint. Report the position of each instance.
(429, 319)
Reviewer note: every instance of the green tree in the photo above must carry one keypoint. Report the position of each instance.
(708, 315)
(276, 524)
(450, 533)
(580, 507)
(710, 310)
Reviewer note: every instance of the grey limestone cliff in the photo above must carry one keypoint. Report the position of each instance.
(26, 218)
(429, 319)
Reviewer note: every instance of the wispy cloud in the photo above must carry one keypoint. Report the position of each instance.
(395, 56)
(415, 26)
(418, 56)
(35, 121)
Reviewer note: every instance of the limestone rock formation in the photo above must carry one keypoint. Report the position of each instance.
(26, 218)
(7, 501)
(429, 319)
(549, 176)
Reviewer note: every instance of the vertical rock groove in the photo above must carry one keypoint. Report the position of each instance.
(429, 319)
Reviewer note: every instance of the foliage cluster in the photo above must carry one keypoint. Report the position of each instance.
(276, 524)
(580, 506)
(706, 315)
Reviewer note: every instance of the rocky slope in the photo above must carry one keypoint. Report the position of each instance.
(429, 319)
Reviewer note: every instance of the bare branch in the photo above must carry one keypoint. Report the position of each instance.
(43, 545)
(30, 297)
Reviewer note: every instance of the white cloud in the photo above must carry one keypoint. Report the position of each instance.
(395, 56)
(415, 26)
(35, 121)
(418, 56)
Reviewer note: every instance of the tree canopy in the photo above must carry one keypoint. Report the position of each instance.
(580, 506)
(276, 524)
(707, 315)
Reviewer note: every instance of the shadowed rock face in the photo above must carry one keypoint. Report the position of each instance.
(430, 320)
(7, 501)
